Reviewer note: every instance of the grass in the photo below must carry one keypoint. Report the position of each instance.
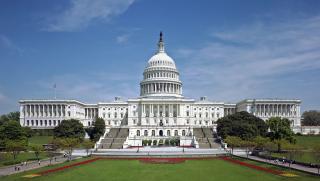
(40, 140)
(307, 142)
(214, 169)
(305, 157)
(7, 158)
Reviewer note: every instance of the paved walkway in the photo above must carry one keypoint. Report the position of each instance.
(294, 166)
(161, 151)
(8, 170)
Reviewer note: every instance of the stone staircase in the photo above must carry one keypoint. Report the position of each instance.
(205, 138)
(114, 139)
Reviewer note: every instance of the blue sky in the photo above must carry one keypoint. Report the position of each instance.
(96, 49)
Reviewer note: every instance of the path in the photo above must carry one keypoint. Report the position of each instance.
(8, 170)
(294, 166)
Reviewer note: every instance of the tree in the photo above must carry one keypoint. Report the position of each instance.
(241, 124)
(67, 144)
(280, 129)
(15, 147)
(260, 141)
(28, 132)
(97, 130)
(11, 130)
(269, 147)
(71, 128)
(311, 118)
(37, 149)
(87, 144)
(248, 145)
(233, 141)
(12, 116)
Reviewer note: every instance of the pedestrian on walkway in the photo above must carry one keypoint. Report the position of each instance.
(55, 159)
(39, 162)
(15, 168)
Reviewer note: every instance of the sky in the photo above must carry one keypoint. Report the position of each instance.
(94, 50)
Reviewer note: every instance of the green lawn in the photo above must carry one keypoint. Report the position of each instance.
(23, 156)
(40, 140)
(308, 141)
(305, 157)
(7, 158)
(134, 170)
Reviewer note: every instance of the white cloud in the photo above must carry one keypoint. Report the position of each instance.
(122, 38)
(90, 88)
(82, 13)
(7, 43)
(248, 61)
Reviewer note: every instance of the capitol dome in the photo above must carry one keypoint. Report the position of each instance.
(161, 77)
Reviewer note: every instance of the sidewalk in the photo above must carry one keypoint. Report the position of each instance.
(293, 166)
(8, 170)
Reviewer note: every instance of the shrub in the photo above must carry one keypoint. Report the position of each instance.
(144, 142)
(172, 142)
(161, 142)
(177, 142)
(166, 142)
(154, 142)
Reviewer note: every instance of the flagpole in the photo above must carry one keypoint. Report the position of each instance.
(55, 91)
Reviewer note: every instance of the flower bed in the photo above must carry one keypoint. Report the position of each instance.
(162, 160)
(272, 171)
(67, 166)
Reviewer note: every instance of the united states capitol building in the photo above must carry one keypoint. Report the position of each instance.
(161, 111)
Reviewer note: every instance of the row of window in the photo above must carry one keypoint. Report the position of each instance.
(160, 62)
(43, 122)
(161, 133)
(200, 122)
(160, 74)
(115, 115)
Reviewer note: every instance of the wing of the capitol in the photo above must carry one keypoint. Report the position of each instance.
(161, 111)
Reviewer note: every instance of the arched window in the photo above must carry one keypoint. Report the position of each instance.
(138, 132)
(49, 122)
(168, 133)
(145, 133)
(28, 122)
(54, 122)
(153, 132)
(183, 132)
(175, 132)
(37, 122)
(32, 122)
(40, 122)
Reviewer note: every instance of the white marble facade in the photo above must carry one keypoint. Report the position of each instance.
(160, 110)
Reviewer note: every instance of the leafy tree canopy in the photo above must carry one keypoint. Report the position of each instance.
(97, 130)
(280, 129)
(12, 130)
(71, 128)
(241, 124)
(311, 118)
(15, 116)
